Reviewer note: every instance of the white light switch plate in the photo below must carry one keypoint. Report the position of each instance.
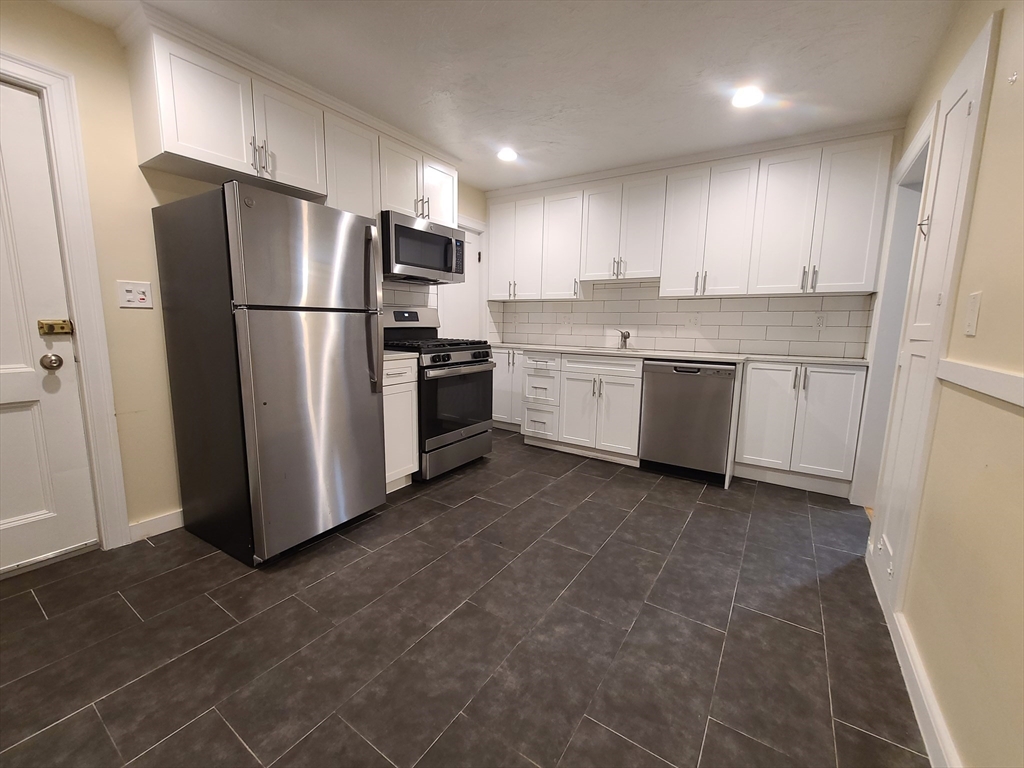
(133, 295)
(973, 308)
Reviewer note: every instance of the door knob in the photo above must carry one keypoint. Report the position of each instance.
(51, 362)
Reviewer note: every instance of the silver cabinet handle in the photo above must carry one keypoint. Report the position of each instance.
(510, 289)
(593, 387)
(921, 226)
(265, 161)
(426, 208)
(705, 288)
(255, 153)
(803, 279)
(814, 278)
(600, 387)
(576, 287)
(796, 376)
(805, 379)
(515, 289)
(622, 267)
(51, 362)
(389, 374)
(696, 283)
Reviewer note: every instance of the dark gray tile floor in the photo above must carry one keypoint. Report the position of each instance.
(531, 609)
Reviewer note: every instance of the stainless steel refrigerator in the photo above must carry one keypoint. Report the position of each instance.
(271, 311)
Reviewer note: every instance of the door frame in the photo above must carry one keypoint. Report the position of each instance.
(57, 96)
(479, 228)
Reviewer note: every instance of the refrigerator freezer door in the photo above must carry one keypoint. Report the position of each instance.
(314, 422)
(287, 252)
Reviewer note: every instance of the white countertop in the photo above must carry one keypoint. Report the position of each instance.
(390, 354)
(667, 354)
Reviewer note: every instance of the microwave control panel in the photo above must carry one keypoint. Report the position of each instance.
(459, 256)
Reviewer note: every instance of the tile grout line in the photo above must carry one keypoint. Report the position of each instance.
(299, 740)
(626, 738)
(372, 745)
(776, 618)
(51, 725)
(107, 731)
(165, 738)
(744, 733)
(36, 598)
(237, 735)
(121, 595)
(824, 643)
(880, 738)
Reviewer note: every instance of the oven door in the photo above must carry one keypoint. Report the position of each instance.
(420, 250)
(455, 403)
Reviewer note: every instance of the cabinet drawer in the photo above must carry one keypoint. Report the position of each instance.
(540, 421)
(399, 372)
(540, 387)
(550, 361)
(615, 366)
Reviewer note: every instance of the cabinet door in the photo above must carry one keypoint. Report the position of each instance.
(787, 186)
(602, 212)
(642, 228)
(850, 215)
(501, 250)
(290, 134)
(529, 243)
(401, 436)
(618, 414)
(563, 236)
(353, 167)
(540, 421)
(206, 109)
(501, 408)
(730, 225)
(577, 419)
(440, 192)
(686, 218)
(400, 177)
(540, 387)
(828, 420)
(517, 386)
(767, 415)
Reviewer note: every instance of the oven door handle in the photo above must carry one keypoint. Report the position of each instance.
(458, 370)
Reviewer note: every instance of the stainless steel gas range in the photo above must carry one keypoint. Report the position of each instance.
(454, 391)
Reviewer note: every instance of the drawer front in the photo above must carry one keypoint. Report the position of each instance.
(613, 366)
(540, 387)
(399, 372)
(540, 421)
(548, 361)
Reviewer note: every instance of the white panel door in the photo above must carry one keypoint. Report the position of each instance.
(850, 215)
(602, 212)
(730, 227)
(461, 305)
(686, 218)
(577, 418)
(787, 186)
(767, 415)
(501, 406)
(440, 192)
(353, 166)
(401, 177)
(642, 228)
(618, 414)
(529, 245)
(206, 108)
(401, 431)
(290, 136)
(501, 250)
(563, 237)
(517, 386)
(828, 420)
(46, 499)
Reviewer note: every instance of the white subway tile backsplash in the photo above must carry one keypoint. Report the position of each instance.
(564, 330)
(640, 342)
(640, 318)
(804, 318)
(659, 305)
(676, 345)
(860, 318)
(515, 338)
(605, 294)
(640, 293)
(791, 333)
(749, 347)
(721, 318)
(767, 318)
(678, 318)
(621, 306)
(846, 302)
(700, 305)
(755, 304)
(837, 318)
(817, 348)
(602, 318)
(748, 332)
(794, 303)
(558, 306)
(855, 350)
(542, 338)
(722, 346)
(542, 317)
(844, 334)
(587, 306)
(529, 328)
(697, 332)
(657, 331)
(587, 330)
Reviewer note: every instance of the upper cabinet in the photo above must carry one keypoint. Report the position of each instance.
(729, 228)
(686, 217)
(501, 250)
(529, 239)
(417, 184)
(850, 215)
(602, 211)
(563, 233)
(353, 167)
(289, 138)
(642, 227)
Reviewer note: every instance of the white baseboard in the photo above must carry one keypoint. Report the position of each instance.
(398, 482)
(155, 525)
(827, 485)
(578, 450)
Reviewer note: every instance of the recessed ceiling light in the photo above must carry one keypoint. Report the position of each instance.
(747, 96)
(507, 154)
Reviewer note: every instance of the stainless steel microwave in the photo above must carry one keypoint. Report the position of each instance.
(421, 251)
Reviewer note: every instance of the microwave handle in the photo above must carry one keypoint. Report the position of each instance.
(449, 255)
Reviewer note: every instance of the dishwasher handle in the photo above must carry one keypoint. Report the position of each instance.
(690, 369)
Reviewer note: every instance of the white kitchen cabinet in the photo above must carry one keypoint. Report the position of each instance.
(517, 386)
(501, 250)
(440, 192)
(850, 215)
(602, 212)
(289, 138)
(686, 217)
(618, 414)
(401, 432)
(540, 421)
(787, 188)
(540, 386)
(642, 227)
(801, 418)
(528, 245)
(563, 238)
(768, 414)
(828, 420)
(353, 166)
(501, 396)
(730, 226)
(578, 411)
(401, 177)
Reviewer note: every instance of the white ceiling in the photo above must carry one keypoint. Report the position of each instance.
(577, 87)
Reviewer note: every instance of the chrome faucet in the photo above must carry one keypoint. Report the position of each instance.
(623, 338)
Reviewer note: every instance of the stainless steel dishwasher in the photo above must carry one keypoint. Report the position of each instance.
(686, 414)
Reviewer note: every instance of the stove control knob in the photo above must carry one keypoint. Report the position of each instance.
(435, 358)
(446, 357)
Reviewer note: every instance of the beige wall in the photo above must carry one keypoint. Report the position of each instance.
(121, 196)
(965, 595)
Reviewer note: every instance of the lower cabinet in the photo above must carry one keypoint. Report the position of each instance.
(600, 411)
(540, 421)
(507, 398)
(801, 418)
(401, 429)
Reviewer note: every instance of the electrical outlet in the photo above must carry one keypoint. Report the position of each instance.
(819, 320)
(973, 308)
(692, 320)
(564, 318)
(134, 295)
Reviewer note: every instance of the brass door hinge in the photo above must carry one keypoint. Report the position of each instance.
(55, 327)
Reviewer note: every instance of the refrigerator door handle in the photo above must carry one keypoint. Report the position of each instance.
(376, 258)
(375, 350)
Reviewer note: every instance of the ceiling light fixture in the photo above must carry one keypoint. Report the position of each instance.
(507, 154)
(747, 96)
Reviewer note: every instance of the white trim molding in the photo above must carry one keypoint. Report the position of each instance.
(156, 525)
(74, 226)
(1002, 385)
